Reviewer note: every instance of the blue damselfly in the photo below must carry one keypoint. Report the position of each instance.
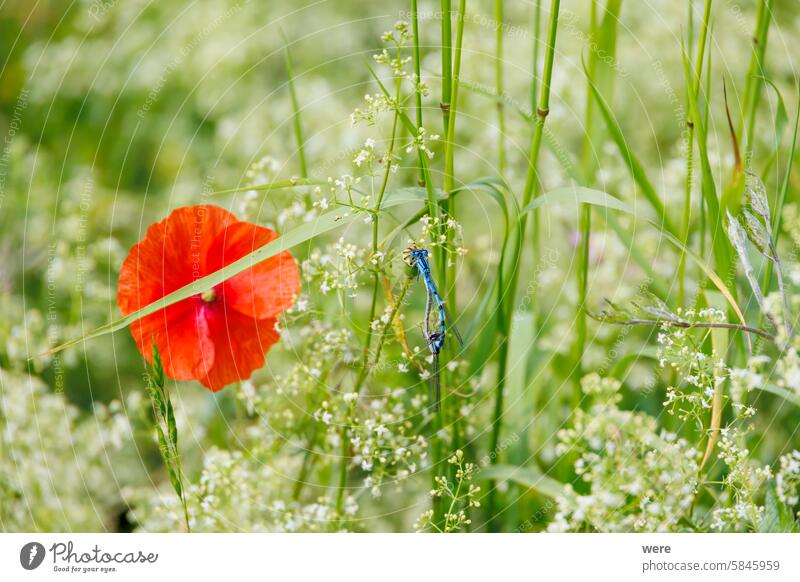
(417, 258)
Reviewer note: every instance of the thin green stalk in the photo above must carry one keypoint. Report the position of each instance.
(755, 73)
(296, 117)
(452, 109)
(308, 460)
(167, 430)
(779, 203)
(447, 268)
(498, 77)
(687, 200)
(447, 62)
(585, 227)
(532, 187)
(447, 89)
(374, 304)
(537, 27)
(418, 75)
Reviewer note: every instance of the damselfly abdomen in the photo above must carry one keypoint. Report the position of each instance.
(417, 258)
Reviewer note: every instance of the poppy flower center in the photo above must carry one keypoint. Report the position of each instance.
(208, 296)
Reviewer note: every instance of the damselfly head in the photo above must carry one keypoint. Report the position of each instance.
(412, 254)
(435, 342)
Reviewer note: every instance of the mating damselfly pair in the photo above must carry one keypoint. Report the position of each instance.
(417, 258)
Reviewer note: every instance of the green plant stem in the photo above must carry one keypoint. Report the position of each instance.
(532, 188)
(537, 26)
(374, 304)
(687, 200)
(296, 117)
(447, 63)
(446, 267)
(444, 105)
(585, 227)
(453, 107)
(305, 467)
(781, 200)
(418, 75)
(755, 73)
(498, 82)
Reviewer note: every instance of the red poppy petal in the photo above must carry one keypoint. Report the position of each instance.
(240, 344)
(181, 333)
(265, 290)
(172, 254)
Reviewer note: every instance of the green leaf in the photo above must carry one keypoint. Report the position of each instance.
(271, 186)
(490, 316)
(721, 250)
(777, 518)
(296, 118)
(157, 368)
(755, 196)
(574, 172)
(605, 200)
(757, 233)
(780, 123)
(525, 476)
(175, 480)
(303, 233)
(162, 444)
(173, 427)
(623, 364)
(739, 239)
(634, 165)
(784, 393)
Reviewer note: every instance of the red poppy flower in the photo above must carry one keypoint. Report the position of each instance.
(220, 336)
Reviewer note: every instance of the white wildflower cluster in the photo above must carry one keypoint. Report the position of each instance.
(787, 480)
(366, 159)
(235, 493)
(751, 377)
(262, 171)
(366, 155)
(437, 230)
(399, 36)
(422, 142)
(374, 105)
(739, 510)
(58, 465)
(791, 222)
(701, 373)
(384, 441)
(324, 347)
(457, 497)
(343, 188)
(251, 206)
(294, 212)
(77, 268)
(342, 267)
(634, 477)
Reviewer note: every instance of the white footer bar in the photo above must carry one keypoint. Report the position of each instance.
(400, 557)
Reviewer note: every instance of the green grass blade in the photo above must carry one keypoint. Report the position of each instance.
(276, 185)
(303, 233)
(297, 121)
(787, 395)
(525, 476)
(719, 240)
(605, 200)
(635, 167)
